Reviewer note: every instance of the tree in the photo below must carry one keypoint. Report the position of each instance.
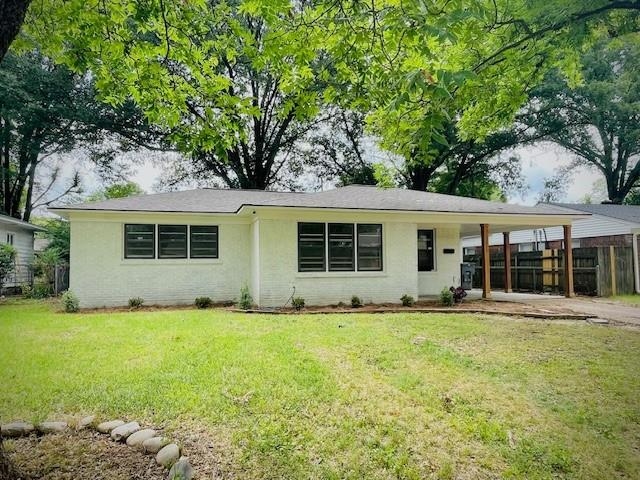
(45, 109)
(599, 120)
(116, 190)
(12, 13)
(236, 89)
(239, 83)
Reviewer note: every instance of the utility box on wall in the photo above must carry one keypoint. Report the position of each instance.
(466, 275)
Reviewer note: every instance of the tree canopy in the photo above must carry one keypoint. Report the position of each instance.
(599, 120)
(45, 110)
(239, 83)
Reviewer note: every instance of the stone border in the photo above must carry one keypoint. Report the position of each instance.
(539, 315)
(147, 440)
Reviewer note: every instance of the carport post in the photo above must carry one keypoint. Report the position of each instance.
(486, 261)
(568, 263)
(507, 262)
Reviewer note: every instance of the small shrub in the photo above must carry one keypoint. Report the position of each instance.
(458, 294)
(407, 300)
(70, 302)
(136, 302)
(356, 302)
(297, 303)
(7, 262)
(203, 302)
(41, 290)
(446, 297)
(26, 290)
(341, 304)
(246, 300)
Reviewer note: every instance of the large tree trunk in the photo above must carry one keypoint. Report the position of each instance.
(12, 14)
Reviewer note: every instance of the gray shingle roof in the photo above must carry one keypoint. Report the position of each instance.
(629, 213)
(353, 197)
(7, 220)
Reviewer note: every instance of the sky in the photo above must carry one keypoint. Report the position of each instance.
(538, 162)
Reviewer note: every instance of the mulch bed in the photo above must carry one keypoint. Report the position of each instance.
(79, 455)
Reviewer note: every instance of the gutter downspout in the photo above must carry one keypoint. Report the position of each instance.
(636, 265)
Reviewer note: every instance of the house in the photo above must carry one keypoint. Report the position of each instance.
(379, 244)
(20, 235)
(607, 225)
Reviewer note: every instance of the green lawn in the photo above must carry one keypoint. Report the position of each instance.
(342, 396)
(631, 299)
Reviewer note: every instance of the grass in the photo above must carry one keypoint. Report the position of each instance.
(342, 396)
(631, 299)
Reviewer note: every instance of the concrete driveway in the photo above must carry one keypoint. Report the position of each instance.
(615, 312)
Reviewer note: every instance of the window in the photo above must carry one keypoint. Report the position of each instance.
(311, 247)
(341, 247)
(10, 238)
(204, 241)
(426, 261)
(139, 241)
(172, 241)
(369, 247)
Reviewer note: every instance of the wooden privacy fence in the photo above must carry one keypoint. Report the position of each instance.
(602, 271)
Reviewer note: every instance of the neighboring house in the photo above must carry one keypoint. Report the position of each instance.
(19, 234)
(379, 244)
(608, 225)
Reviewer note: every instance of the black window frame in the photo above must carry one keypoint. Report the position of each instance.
(217, 241)
(160, 239)
(381, 247)
(330, 258)
(127, 255)
(432, 234)
(301, 225)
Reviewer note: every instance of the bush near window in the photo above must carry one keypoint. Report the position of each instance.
(356, 302)
(70, 302)
(246, 301)
(297, 303)
(446, 297)
(136, 302)
(407, 300)
(7, 262)
(203, 302)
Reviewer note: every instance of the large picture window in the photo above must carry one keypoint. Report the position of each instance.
(426, 260)
(204, 241)
(341, 247)
(172, 241)
(139, 241)
(369, 247)
(311, 247)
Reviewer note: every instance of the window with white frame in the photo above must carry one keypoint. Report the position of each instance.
(151, 241)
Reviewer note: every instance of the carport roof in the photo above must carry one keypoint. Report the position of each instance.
(353, 197)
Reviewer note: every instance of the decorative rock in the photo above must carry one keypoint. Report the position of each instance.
(52, 427)
(85, 422)
(123, 431)
(155, 444)
(16, 429)
(168, 455)
(181, 470)
(106, 427)
(136, 439)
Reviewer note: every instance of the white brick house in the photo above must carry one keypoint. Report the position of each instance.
(376, 243)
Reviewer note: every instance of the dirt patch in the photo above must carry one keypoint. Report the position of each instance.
(75, 455)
